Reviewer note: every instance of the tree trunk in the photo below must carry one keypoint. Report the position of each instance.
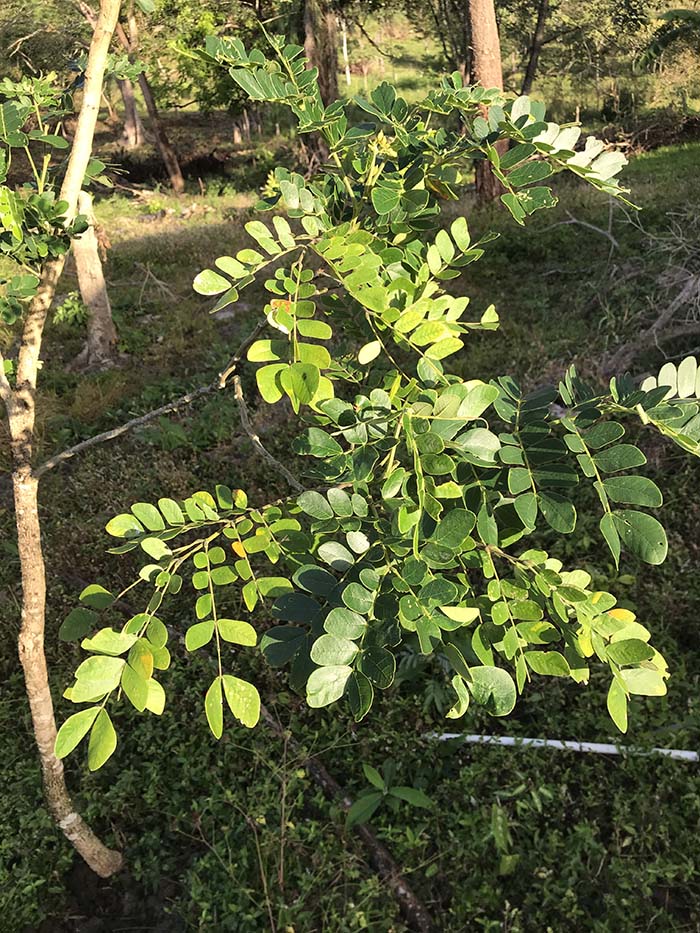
(487, 71)
(321, 46)
(20, 404)
(133, 134)
(167, 153)
(535, 46)
(101, 342)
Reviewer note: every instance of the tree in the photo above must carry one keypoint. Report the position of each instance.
(538, 38)
(413, 529)
(487, 71)
(36, 233)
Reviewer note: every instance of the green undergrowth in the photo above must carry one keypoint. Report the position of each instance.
(235, 835)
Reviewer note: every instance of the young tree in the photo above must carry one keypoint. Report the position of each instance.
(36, 232)
(538, 37)
(487, 71)
(133, 134)
(413, 528)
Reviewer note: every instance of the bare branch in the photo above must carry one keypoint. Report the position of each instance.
(142, 420)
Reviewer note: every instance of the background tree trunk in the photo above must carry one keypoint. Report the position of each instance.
(487, 71)
(101, 342)
(133, 134)
(321, 46)
(20, 404)
(535, 46)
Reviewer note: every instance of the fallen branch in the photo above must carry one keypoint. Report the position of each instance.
(413, 909)
(622, 358)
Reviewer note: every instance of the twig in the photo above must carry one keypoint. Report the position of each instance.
(257, 443)
(413, 909)
(581, 223)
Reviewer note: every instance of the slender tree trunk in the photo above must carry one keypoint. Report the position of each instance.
(488, 71)
(535, 46)
(133, 134)
(101, 342)
(167, 152)
(20, 404)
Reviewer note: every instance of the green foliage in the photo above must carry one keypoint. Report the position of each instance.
(33, 226)
(424, 490)
(384, 792)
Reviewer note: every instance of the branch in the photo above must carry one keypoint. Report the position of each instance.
(582, 223)
(181, 402)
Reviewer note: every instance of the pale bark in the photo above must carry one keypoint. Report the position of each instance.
(133, 134)
(101, 341)
(487, 71)
(321, 46)
(20, 404)
(535, 46)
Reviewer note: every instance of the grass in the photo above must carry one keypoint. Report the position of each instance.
(597, 844)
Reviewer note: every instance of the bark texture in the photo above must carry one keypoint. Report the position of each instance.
(535, 46)
(487, 71)
(101, 341)
(20, 404)
(321, 46)
(133, 134)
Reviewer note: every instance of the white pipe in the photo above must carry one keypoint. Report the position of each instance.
(597, 748)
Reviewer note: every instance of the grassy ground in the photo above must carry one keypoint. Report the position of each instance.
(597, 844)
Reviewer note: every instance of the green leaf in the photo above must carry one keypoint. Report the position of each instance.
(135, 687)
(617, 705)
(148, 515)
(618, 458)
(198, 635)
(413, 796)
(171, 511)
(379, 665)
(214, 708)
(96, 597)
(103, 741)
(462, 704)
(330, 650)
(209, 282)
(642, 534)
(608, 529)
(326, 685)
(629, 651)
(373, 776)
(74, 730)
(549, 663)
(337, 555)
(360, 695)
(643, 682)
(345, 623)
(363, 808)
(385, 200)
(633, 490)
(493, 688)
(243, 700)
(107, 641)
(300, 382)
(369, 352)
(124, 526)
(77, 623)
(237, 632)
(100, 673)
